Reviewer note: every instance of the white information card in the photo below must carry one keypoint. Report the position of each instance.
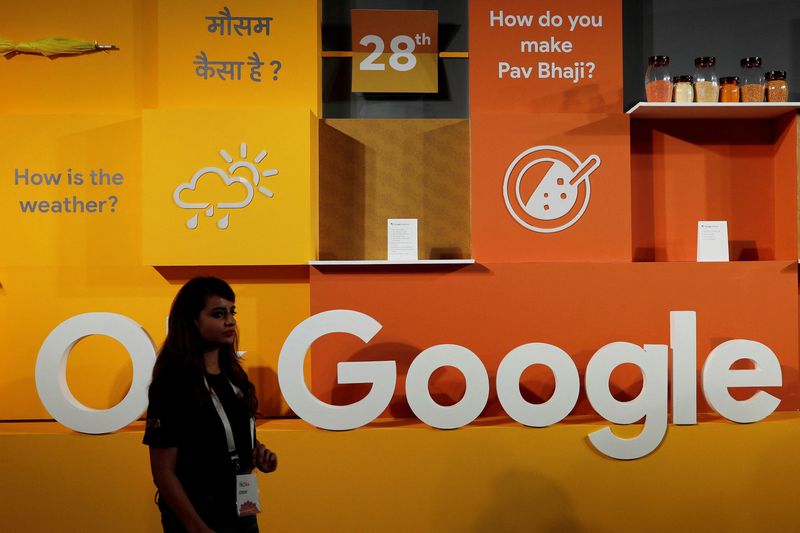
(402, 234)
(712, 241)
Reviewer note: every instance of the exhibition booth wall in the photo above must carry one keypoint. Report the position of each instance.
(103, 156)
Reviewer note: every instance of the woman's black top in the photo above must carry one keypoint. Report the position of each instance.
(181, 415)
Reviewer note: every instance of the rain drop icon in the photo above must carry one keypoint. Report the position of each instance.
(223, 222)
(192, 222)
(210, 210)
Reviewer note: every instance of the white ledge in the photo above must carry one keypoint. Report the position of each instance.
(367, 262)
(661, 110)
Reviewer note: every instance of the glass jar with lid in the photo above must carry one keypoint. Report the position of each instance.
(752, 80)
(657, 81)
(777, 88)
(729, 89)
(706, 83)
(683, 91)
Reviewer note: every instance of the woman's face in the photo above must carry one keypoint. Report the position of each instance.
(216, 322)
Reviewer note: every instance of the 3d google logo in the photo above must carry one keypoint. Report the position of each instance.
(650, 405)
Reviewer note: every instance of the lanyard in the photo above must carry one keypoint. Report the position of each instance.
(227, 425)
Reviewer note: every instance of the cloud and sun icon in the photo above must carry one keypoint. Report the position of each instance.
(248, 184)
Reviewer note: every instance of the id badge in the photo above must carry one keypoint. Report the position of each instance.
(247, 502)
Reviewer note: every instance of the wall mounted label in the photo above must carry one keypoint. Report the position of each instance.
(395, 51)
(712, 241)
(402, 239)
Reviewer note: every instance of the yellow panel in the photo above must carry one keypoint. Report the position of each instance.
(293, 41)
(716, 476)
(110, 368)
(375, 169)
(259, 213)
(97, 82)
(55, 265)
(34, 300)
(61, 146)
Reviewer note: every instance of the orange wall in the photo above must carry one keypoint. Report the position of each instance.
(742, 171)
(602, 233)
(602, 93)
(579, 307)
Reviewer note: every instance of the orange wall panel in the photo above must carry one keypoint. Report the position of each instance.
(578, 307)
(597, 90)
(742, 171)
(602, 233)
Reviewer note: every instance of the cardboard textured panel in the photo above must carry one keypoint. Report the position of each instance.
(373, 170)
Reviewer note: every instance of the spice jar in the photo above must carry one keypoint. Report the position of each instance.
(657, 81)
(752, 85)
(777, 88)
(706, 84)
(729, 89)
(682, 90)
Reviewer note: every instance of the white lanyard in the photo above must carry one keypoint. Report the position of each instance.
(226, 423)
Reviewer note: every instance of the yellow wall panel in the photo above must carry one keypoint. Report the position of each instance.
(716, 476)
(68, 115)
(34, 300)
(56, 265)
(60, 146)
(223, 190)
(293, 41)
(93, 83)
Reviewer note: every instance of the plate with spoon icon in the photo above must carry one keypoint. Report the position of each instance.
(547, 189)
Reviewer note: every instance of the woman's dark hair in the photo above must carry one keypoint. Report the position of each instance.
(183, 349)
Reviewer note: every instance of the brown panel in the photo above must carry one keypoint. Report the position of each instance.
(375, 169)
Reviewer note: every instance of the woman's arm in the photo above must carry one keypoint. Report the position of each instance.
(264, 459)
(162, 465)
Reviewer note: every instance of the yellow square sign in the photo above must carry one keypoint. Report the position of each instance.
(243, 54)
(395, 51)
(223, 188)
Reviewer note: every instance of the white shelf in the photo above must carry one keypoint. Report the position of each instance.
(391, 263)
(662, 110)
